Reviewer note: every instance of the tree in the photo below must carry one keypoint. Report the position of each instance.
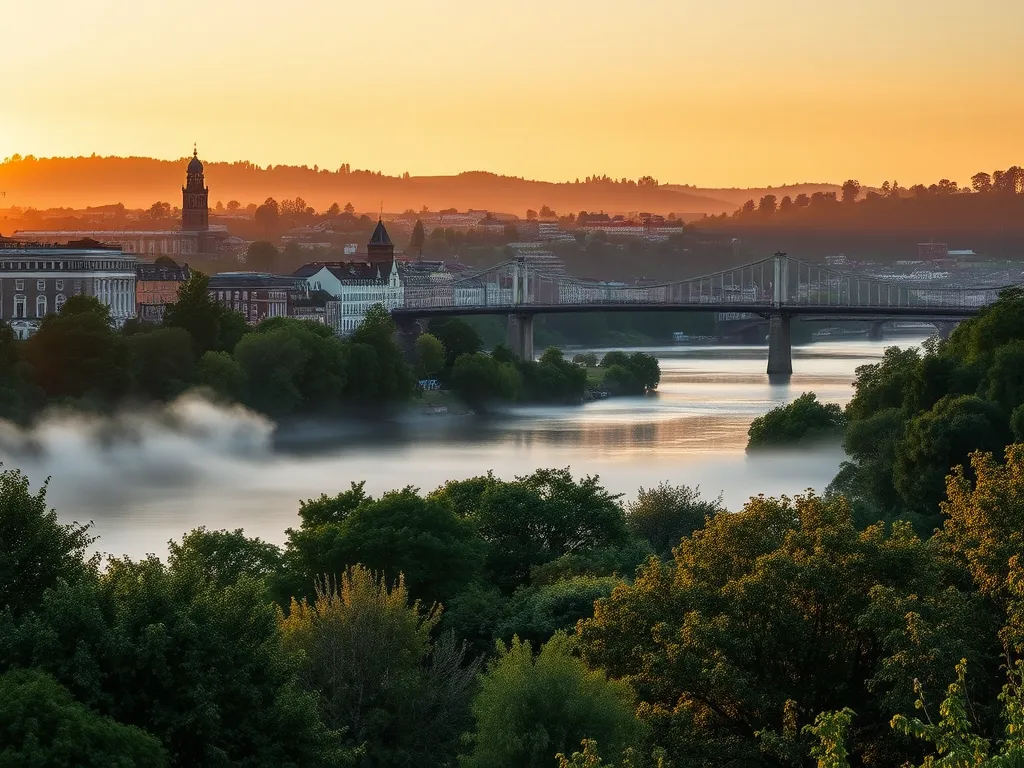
(221, 372)
(802, 420)
(747, 208)
(430, 356)
(41, 725)
(223, 558)
(267, 216)
(768, 205)
(262, 256)
(511, 233)
(159, 210)
(851, 191)
(531, 214)
(233, 205)
(162, 362)
(529, 709)
(269, 362)
(399, 534)
(38, 551)
(367, 653)
(546, 212)
(537, 612)
(457, 336)
(666, 514)
(802, 200)
(1006, 376)
(940, 439)
(418, 237)
(349, 208)
(480, 378)
(793, 604)
(786, 204)
(199, 666)
(615, 357)
(77, 354)
(211, 326)
(395, 380)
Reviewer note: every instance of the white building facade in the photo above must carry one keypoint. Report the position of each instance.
(38, 280)
(355, 288)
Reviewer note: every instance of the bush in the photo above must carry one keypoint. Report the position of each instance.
(803, 420)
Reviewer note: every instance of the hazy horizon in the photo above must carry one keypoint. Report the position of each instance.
(729, 94)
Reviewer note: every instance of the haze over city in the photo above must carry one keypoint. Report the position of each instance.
(734, 93)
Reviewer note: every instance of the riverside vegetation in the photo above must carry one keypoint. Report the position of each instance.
(542, 622)
(283, 367)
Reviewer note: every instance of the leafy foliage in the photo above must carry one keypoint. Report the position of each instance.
(803, 420)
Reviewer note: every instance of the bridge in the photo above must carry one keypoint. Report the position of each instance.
(777, 288)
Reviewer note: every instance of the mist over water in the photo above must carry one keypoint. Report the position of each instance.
(148, 476)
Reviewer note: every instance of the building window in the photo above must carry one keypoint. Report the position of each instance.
(60, 285)
(58, 303)
(19, 305)
(40, 306)
(40, 285)
(19, 285)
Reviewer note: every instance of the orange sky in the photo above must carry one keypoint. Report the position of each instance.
(717, 93)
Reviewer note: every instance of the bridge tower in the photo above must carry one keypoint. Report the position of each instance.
(520, 324)
(780, 346)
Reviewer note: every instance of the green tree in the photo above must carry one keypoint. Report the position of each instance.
(221, 372)
(77, 354)
(619, 380)
(802, 420)
(162, 362)
(666, 514)
(530, 708)
(36, 550)
(42, 726)
(457, 336)
(366, 651)
(399, 534)
(940, 439)
(210, 325)
(883, 385)
(395, 381)
(199, 666)
(430, 356)
(1005, 376)
(480, 379)
(536, 613)
(270, 361)
(223, 558)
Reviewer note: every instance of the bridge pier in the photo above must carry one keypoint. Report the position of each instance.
(520, 336)
(945, 329)
(780, 347)
(876, 333)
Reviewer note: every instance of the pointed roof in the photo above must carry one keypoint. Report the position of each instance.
(195, 165)
(380, 235)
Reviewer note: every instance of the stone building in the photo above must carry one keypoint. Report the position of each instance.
(156, 286)
(36, 280)
(254, 295)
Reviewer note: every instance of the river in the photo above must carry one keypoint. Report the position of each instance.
(149, 477)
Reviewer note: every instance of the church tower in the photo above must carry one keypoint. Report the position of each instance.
(380, 249)
(195, 198)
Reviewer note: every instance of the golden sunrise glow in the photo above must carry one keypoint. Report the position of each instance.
(729, 92)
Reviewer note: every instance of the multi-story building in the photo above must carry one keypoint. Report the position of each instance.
(156, 286)
(932, 251)
(357, 286)
(254, 295)
(36, 280)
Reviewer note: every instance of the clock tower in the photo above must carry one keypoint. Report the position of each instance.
(195, 198)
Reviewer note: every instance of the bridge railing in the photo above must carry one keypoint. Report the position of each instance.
(774, 283)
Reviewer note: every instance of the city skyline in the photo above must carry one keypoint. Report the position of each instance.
(732, 95)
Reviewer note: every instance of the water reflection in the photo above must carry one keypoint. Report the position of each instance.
(224, 468)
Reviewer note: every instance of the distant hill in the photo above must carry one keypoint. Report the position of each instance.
(737, 196)
(137, 182)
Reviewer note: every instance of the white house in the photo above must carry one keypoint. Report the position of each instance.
(354, 288)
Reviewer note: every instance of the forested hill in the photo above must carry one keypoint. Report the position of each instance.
(139, 181)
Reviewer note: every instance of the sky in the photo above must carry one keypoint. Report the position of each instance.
(712, 93)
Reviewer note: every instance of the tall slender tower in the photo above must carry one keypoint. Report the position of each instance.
(380, 249)
(195, 198)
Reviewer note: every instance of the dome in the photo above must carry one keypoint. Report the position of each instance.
(195, 165)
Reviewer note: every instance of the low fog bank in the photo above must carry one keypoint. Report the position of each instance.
(147, 476)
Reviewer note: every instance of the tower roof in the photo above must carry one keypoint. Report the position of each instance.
(195, 165)
(380, 235)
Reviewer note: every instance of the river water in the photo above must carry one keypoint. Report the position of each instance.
(149, 477)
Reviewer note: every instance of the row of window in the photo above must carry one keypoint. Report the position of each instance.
(21, 305)
(19, 285)
(76, 264)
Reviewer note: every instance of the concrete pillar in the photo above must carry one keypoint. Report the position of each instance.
(520, 336)
(780, 348)
(876, 332)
